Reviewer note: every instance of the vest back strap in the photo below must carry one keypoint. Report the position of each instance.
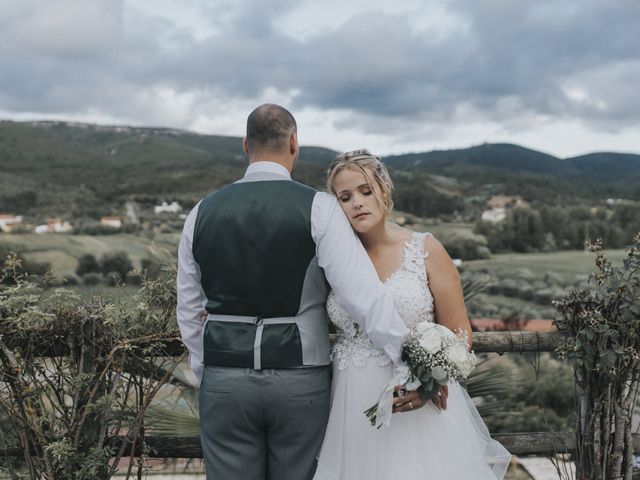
(240, 341)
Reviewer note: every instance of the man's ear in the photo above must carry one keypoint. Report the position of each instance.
(293, 143)
(245, 146)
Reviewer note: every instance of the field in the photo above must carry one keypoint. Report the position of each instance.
(566, 263)
(62, 251)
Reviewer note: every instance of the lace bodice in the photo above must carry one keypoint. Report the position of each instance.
(412, 299)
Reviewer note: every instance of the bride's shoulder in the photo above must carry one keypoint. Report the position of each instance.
(439, 259)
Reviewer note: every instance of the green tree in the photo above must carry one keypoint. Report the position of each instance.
(87, 263)
(526, 229)
(118, 262)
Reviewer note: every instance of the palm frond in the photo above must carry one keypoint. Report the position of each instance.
(490, 388)
(472, 286)
(172, 419)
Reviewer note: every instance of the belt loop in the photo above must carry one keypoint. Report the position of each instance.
(257, 363)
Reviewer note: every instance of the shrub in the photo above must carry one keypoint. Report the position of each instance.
(112, 279)
(87, 263)
(118, 262)
(79, 413)
(70, 279)
(134, 278)
(466, 248)
(603, 345)
(91, 279)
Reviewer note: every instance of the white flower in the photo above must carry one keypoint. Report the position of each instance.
(424, 326)
(456, 354)
(445, 332)
(430, 340)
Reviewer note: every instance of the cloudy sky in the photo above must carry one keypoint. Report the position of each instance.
(561, 76)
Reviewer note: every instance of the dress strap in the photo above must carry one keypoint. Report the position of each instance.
(415, 254)
(421, 237)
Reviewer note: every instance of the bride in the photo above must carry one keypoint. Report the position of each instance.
(442, 439)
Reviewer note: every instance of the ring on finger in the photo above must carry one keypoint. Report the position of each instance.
(402, 392)
(411, 405)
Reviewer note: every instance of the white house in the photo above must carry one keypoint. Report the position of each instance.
(114, 222)
(8, 221)
(54, 225)
(166, 208)
(494, 215)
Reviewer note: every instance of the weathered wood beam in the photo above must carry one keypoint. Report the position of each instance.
(529, 443)
(483, 342)
(503, 342)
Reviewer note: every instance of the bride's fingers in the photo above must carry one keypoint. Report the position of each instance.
(444, 389)
(410, 402)
(439, 400)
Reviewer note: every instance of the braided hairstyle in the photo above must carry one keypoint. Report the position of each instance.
(371, 166)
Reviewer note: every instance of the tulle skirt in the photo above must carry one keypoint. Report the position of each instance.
(446, 445)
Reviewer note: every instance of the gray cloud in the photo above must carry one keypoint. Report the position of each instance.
(512, 60)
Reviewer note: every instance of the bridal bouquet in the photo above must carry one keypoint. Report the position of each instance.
(434, 356)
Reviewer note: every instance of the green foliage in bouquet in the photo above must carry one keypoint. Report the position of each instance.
(76, 376)
(604, 348)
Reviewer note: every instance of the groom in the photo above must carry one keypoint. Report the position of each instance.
(257, 255)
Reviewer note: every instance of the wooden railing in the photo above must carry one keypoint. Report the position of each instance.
(526, 443)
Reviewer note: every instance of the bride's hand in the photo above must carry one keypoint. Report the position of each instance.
(439, 400)
(410, 400)
(406, 400)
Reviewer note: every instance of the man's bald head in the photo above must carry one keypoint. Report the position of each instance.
(269, 129)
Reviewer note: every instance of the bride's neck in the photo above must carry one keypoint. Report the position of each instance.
(379, 236)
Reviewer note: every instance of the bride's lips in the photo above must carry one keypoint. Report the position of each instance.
(360, 215)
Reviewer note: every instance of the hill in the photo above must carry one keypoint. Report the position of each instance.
(495, 156)
(82, 170)
(603, 166)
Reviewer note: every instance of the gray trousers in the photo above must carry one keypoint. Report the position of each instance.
(263, 424)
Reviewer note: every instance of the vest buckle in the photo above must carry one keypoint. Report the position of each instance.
(258, 321)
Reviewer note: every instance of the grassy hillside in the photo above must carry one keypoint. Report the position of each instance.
(565, 263)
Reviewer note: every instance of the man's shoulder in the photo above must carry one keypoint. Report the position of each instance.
(303, 187)
(325, 199)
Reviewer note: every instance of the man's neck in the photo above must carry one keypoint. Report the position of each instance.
(279, 160)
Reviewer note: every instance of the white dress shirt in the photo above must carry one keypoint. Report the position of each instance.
(346, 265)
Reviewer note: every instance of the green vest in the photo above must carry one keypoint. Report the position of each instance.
(265, 291)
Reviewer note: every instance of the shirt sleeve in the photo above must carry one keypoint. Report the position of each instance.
(191, 297)
(353, 277)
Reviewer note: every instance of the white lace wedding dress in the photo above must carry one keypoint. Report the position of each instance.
(446, 445)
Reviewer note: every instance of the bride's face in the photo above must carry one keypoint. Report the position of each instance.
(359, 199)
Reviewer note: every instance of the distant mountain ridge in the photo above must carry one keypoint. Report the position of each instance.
(55, 168)
(598, 166)
(514, 158)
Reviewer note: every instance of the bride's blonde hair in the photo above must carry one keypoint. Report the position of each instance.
(369, 165)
